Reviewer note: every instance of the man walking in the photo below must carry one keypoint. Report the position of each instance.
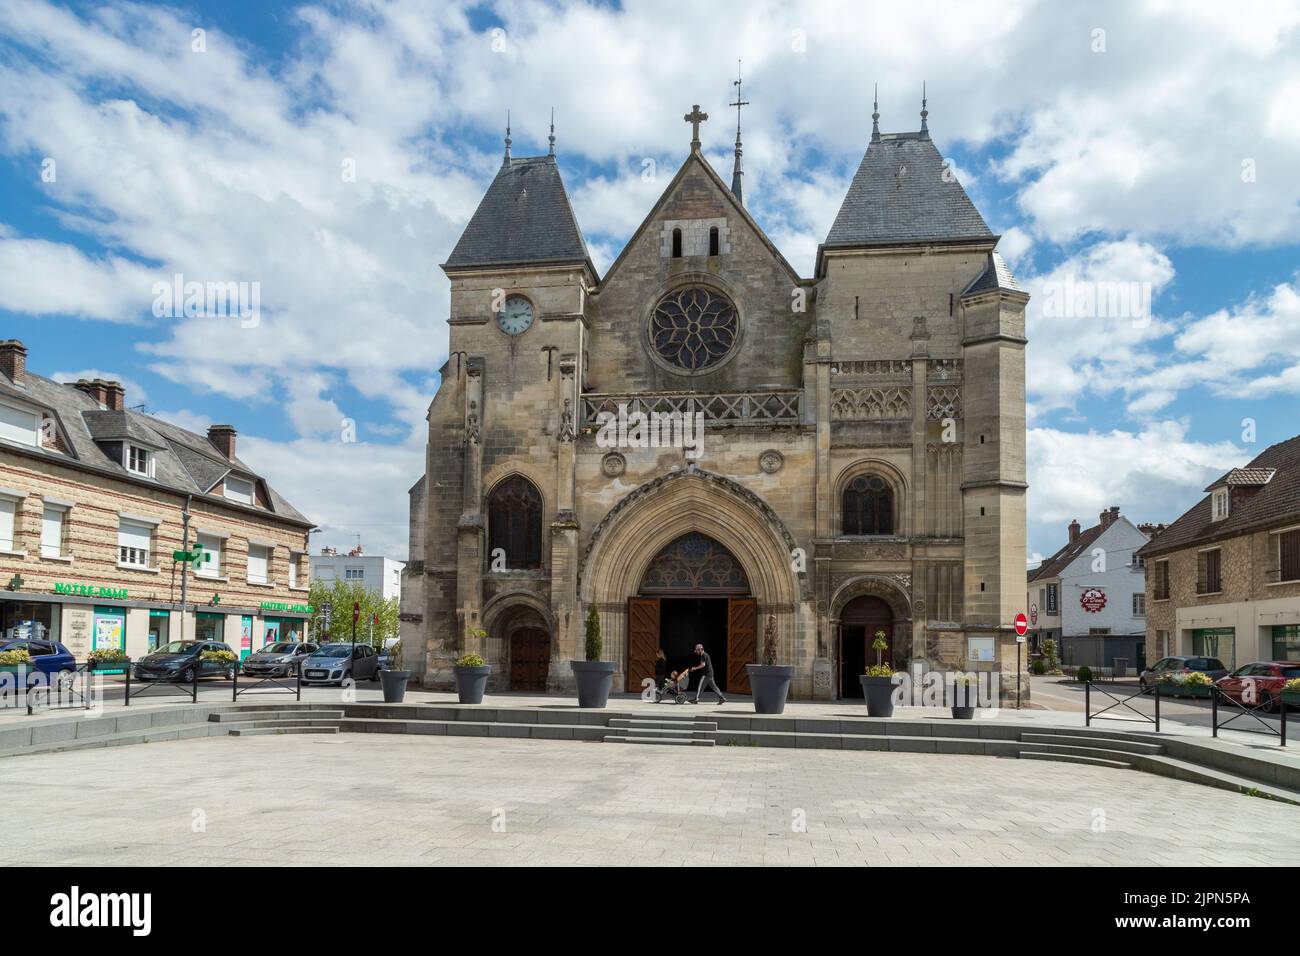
(706, 680)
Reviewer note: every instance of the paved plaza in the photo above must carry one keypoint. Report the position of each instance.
(363, 799)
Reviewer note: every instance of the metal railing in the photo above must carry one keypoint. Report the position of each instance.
(63, 688)
(1248, 710)
(273, 680)
(1089, 715)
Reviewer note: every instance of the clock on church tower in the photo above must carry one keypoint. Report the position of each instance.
(516, 315)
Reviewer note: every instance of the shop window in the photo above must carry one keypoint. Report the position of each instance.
(159, 629)
(209, 627)
(29, 621)
(1286, 642)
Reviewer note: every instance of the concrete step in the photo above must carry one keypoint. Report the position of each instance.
(667, 741)
(1108, 743)
(146, 735)
(1075, 758)
(242, 715)
(629, 723)
(280, 722)
(271, 731)
(468, 728)
(1209, 776)
(685, 733)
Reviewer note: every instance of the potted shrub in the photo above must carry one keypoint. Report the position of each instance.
(878, 682)
(16, 662)
(218, 662)
(471, 678)
(1198, 684)
(393, 678)
(594, 676)
(770, 681)
(965, 696)
(108, 660)
(1291, 692)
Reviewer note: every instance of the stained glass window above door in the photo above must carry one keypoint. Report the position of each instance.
(695, 562)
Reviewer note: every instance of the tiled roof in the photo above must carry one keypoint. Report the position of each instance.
(902, 192)
(1053, 566)
(1277, 502)
(525, 217)
(996, 275)
(1244, 478)
(183, 461)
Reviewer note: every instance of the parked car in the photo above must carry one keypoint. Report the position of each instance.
(281, 659)
(1259, 684)
(334, 663)
(1167, 666)
(182, 660)
(48, 657)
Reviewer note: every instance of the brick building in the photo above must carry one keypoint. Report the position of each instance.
(1224, 579)
(863, 456)
(92, 497)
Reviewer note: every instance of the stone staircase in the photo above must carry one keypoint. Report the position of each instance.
(256, 723)
(674, 731)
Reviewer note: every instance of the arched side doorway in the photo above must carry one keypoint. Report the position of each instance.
(519, 638)
(860, 621)
(694, 591)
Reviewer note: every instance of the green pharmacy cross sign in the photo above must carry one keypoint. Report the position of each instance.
(196, 557)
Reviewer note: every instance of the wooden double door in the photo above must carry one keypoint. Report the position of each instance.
(530, 659)
(726, 626)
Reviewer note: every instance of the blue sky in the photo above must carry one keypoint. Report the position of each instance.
(1152, 143)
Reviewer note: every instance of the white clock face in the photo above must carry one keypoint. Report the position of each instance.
(516, 315)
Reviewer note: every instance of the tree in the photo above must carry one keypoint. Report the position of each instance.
(593, 644)
(342, 594)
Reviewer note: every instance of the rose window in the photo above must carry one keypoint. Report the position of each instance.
(694, 328)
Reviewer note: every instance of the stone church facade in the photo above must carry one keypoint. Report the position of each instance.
(862, 463)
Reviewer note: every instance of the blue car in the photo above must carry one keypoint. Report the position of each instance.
(48, 657)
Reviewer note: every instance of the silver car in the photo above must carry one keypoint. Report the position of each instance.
(281, 659)
(334, 663)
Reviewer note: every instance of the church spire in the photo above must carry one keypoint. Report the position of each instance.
(737, 172)
(506, 160)
(925, 129)
(551, 138)
(875, 113)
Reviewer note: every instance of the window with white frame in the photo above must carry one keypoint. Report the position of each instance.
(293, 570)
(20, 425)
(8, 523)
(133, 543)
(1139, 605)
(239, 489)
(354, 574)
(1221, 503)
(210, 568)
(139, 460)
(53, 520)
(259, 563)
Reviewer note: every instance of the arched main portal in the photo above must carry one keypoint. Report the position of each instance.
(694, 591)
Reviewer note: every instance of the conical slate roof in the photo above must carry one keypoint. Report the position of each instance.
(525, 217)
(902, 193)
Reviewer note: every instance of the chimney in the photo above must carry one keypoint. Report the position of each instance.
(1151, 530)
(1109, 516)
(223, 438)
(95, 388)
(114, 394)
(1074, 531)
(13, 360)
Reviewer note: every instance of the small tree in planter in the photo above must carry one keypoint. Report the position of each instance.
(965, 696)
(1052, 659)
(223, 661)
(16, 662)
(878, 681)
(594, 676)
(394, 677)
(770, 681)
(472, 671)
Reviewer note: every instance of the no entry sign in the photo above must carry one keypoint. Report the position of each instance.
(1021, 624)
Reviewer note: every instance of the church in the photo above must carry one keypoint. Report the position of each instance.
(702, 443)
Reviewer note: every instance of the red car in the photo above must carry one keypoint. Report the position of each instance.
(1260, 683)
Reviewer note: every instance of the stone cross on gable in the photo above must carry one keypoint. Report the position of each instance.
(695, 118)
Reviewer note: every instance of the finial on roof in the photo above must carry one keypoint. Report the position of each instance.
(695, 118)
(737, 173)
(875, 113)
(506, 160)
(552, 136)
(925, 129)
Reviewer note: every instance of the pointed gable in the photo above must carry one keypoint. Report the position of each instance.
(902, 193)
(525, 218)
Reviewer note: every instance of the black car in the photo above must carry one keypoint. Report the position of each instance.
(281, 659)
(1168, 666)
(183, 661)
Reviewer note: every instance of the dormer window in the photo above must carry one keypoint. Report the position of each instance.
(139, 461)
(1221, 503)
(19, 425)
(239, 489)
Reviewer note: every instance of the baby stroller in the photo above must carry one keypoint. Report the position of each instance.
(674, 688)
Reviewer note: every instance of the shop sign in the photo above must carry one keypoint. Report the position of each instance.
(291, 608)
(90, 591)
(1092, 600)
